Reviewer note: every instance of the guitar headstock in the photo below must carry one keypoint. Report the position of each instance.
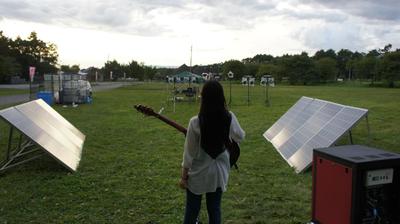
(145, 110)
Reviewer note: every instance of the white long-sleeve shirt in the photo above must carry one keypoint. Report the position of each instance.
(205, 173)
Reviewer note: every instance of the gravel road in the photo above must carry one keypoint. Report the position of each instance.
(20, 98)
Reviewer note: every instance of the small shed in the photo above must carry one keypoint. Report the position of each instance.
(188, 77)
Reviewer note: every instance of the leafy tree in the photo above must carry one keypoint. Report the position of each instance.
(373, 53)
(325, 54)
(367, 67)
(326, 69)
(385, 49)
(268, 69)
(35, 52)
(391, 67)
(149, 72)
(115, 68)
(8, 67)
(250, 69)
(343, 64)
(75, 68)
(350, 66)
(4, 45)
(235, 66)
(300, 69)
(91, 74)
(135, 70)
(162, 73)
(259, 59)
(70, 69)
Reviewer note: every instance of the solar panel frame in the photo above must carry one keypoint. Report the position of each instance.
(315, 132)
(50, 131)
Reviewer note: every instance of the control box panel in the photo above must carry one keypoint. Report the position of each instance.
(377, 177)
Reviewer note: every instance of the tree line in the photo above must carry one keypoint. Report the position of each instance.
(325, 66)
(17, 55)
(378, 65)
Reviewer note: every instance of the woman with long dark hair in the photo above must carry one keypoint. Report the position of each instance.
(205, 166)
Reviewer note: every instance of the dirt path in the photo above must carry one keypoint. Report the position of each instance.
(20, 98)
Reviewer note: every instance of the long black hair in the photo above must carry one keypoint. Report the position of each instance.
(214, 118)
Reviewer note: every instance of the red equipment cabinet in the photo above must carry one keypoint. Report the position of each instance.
(355, 184)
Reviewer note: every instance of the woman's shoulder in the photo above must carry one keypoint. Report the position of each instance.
(194, 121)
(232, 114)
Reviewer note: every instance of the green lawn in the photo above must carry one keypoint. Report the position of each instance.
(8, 92)
(131, 164)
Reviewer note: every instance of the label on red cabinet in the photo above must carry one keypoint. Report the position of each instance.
(377, 177)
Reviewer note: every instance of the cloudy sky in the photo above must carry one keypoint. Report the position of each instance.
(161, 32)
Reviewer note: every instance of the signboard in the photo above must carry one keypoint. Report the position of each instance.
(31, 72)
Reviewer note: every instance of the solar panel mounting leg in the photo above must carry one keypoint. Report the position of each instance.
(22, 149)
(351, 137)
(10, 164)
(368, 129)
(9, 142)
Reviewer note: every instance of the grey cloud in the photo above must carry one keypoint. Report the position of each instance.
(120, 15)
(106, 13)
(138, 16)
(325, 15)
(133, 16)
(356, 37)
(367, 9)
(332, 36)
(237, 14)
(16, 9)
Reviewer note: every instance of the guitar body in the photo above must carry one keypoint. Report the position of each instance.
(232, 146)
(234, 153)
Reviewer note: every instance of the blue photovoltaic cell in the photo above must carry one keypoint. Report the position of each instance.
(308, 124)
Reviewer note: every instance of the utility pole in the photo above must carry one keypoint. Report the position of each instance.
(191, 58)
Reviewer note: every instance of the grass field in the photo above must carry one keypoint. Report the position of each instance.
(131, 164)
(8, 92)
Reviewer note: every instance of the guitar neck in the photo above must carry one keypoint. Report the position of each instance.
(172, 123)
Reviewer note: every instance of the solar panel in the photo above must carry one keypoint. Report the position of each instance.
(49, 130)
(308, 124)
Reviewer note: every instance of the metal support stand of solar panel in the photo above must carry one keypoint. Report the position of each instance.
(351, 137)
(23, 152)
(368, 129)
(351, 140)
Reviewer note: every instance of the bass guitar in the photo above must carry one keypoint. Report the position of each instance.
(232, 146)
